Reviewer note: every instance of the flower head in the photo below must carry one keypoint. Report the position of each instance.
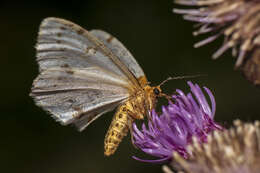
(251, 68)
(236, 150)
(179, 122)
(237, 20)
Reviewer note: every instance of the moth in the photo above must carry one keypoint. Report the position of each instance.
(84, 74)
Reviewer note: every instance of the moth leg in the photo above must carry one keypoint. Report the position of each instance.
(149, 116)
(136, 112)
(136, 115)
(149, 111)
(149, 107)
(130, 126)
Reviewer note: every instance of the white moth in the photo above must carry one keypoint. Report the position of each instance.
(84, 74)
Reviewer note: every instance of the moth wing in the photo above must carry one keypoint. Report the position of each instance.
(63, 43)
(78, 95)
(120, 51)
(84, 121)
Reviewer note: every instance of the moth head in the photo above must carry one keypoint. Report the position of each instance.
(157, 91)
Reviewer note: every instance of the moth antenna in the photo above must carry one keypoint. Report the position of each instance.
(180, 77)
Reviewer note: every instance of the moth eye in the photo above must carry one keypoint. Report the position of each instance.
(156, 91)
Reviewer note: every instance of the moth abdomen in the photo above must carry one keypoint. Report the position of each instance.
(117, 130)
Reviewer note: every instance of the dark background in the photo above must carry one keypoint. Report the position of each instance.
(31, 141)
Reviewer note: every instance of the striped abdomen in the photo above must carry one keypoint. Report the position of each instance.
(118, 129)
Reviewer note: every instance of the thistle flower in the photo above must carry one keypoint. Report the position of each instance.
(236, 150)
(237, 20)
(251, 68)
(179, 121)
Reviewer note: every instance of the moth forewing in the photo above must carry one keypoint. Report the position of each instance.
(86, 74)
(120, 51)
(63, 43)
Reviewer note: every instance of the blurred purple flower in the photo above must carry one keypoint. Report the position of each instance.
(179, 122)
(237, 20)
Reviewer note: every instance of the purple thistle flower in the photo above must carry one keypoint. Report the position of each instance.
(179, 122)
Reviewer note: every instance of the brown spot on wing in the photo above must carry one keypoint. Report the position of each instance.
(87, 49)
(59, 34)
(80, 31)
(62, 28)
(65, 66)
(71, 101)
(92, 50)
(60, 78)
(69, 71)
(110, 38)
(77, 108)
(62, 49)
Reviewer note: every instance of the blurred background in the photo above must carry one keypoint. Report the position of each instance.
(31, 141)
